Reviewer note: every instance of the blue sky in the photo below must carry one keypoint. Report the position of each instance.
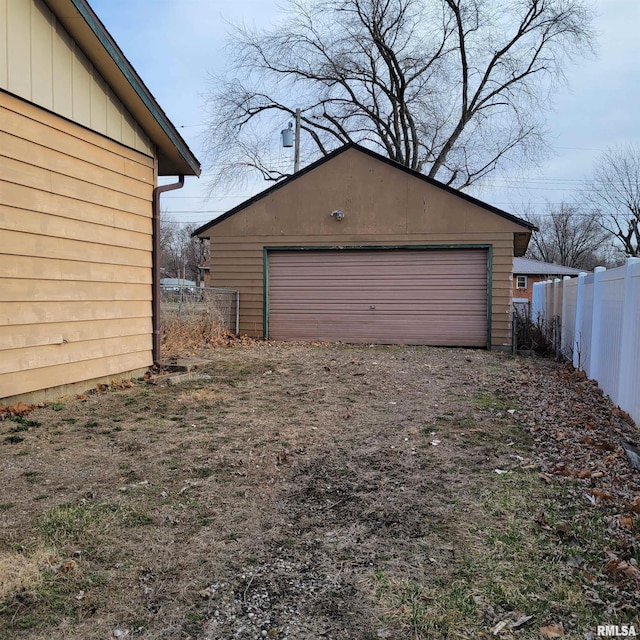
(175, 44)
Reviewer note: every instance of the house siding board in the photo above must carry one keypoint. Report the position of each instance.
(35, 335)
(26, 313)
(75, 253)
(24, 244)
(43, 65)
(37, 267)
(52, 227)
(25, 151)
(15, 384)
(26, 121)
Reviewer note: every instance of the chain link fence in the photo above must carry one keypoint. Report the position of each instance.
(184, 304)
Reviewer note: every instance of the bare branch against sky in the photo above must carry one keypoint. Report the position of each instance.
(453, 88)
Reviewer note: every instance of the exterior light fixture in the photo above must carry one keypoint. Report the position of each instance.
(338, 214)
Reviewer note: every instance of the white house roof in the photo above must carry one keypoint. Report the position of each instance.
(176, 282)
(527, 266)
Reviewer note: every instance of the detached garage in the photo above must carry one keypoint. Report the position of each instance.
(359, 249)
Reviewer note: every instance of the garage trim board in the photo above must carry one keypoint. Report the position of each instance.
(380, 317)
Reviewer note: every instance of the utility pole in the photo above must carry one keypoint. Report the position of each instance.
(292, 139)
(296, 151)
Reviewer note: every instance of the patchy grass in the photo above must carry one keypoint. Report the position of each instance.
(508, 569)
(314, 491)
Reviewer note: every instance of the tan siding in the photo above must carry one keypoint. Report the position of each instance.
(21, 382)
(46, 180)
(33, 154)
(22, 290)
(58, 227)
(75, 253)
(30, 267)
(28, 122)
(21, 197)
(12, 243)
(23, 313)
(50, 355)
(23, 151)
(42, 64)
(22, 336)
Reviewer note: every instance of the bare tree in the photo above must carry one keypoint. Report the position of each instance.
(180, 254)
(614, 193)
(570, 237)
(451, 88)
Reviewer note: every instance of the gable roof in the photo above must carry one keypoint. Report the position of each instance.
(263, 194)
(527, 266)
(84, 26)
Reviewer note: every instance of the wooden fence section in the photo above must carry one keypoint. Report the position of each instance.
(595, 322)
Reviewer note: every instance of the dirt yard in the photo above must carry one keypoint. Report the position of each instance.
(314, 491)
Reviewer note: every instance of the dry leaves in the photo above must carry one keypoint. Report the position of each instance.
(552, 631)
(582, 443)
(620, 569)
(18, 409)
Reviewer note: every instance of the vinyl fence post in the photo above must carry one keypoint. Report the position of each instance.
(565, 311)
(577, 330)
(536, 301)
(555, 317)
(596, 324)
(629, 337)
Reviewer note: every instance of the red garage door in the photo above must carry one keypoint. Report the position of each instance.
(412, 296)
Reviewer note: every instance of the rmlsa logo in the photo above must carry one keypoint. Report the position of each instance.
(615, 630)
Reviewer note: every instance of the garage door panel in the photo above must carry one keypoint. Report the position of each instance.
(435, 297)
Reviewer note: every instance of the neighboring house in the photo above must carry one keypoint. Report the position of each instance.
(358, 248)
(82, 145)
(527, 272)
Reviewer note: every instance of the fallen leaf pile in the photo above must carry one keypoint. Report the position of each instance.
(18, 409)
(578, 435)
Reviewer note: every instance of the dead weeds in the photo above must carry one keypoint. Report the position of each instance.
(305, 491)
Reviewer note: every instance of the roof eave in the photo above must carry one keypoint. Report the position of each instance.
(79, 19)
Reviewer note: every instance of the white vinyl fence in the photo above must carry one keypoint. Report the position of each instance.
(595, 321)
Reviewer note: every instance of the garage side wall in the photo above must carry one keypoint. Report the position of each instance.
(75, 253)
(382, 206)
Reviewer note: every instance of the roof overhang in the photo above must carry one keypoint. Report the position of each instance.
(84, 26)
(521, 242)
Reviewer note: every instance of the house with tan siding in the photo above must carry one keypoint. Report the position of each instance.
(358, 248)
(82, 144)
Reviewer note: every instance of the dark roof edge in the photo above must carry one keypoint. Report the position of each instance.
(104, 37)
(377, 156)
